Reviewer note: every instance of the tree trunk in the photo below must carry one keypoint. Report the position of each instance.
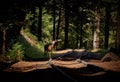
(4, 42)
(1, 41)
(40, 21)
(66, 23)
(117, 41)
(96, 29)
(59, 21)
(107, 23)
(54, 20)
(77, 24)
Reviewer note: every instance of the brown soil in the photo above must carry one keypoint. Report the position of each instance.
(53, 75)
(106, 69)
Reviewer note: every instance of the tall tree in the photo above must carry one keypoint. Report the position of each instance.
(40, 20)
(96, 26)
(4, 42)
(107, 25)
(54, 34)
(117, 42)
(66, 23)
(59, 20)
(77, 23)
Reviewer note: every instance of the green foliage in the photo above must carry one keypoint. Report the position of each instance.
(15, 52)
(30, 35)
(28, 18)
(33, 50)
(47, 26)
(103, 51)
(81, 19)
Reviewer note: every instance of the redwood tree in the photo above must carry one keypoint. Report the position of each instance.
(96, 27)
(66, 23)
(117, 42)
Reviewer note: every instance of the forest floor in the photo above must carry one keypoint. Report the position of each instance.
(64, 68)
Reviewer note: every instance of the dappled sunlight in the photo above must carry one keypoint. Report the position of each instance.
(32, 51)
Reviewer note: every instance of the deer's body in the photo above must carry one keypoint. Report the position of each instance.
(49, 47)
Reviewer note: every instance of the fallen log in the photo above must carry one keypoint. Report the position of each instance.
(108, 66)
(89, 67)
(25, 66)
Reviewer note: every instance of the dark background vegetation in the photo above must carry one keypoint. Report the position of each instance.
(86, 24)
(27, 25)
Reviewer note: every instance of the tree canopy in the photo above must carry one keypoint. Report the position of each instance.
(88, 24)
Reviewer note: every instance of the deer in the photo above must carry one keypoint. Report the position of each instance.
(49, 48)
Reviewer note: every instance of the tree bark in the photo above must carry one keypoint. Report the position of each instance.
(66, 23)
(107, 24)
(54, 34)
(96, 28)
(4, 42)
(59, 21)
(117, 41)
(40, 21)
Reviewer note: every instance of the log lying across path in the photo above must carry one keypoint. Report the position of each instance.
(25, 66)
(78, 66)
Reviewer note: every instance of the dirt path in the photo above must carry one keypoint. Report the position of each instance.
(52, 75)
(64, 70)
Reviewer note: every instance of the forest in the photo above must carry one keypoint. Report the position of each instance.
(80, 24)
(26, 26)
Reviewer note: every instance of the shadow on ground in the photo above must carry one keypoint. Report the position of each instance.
(52, 75)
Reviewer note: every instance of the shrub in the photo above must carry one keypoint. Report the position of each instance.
(15, 54)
